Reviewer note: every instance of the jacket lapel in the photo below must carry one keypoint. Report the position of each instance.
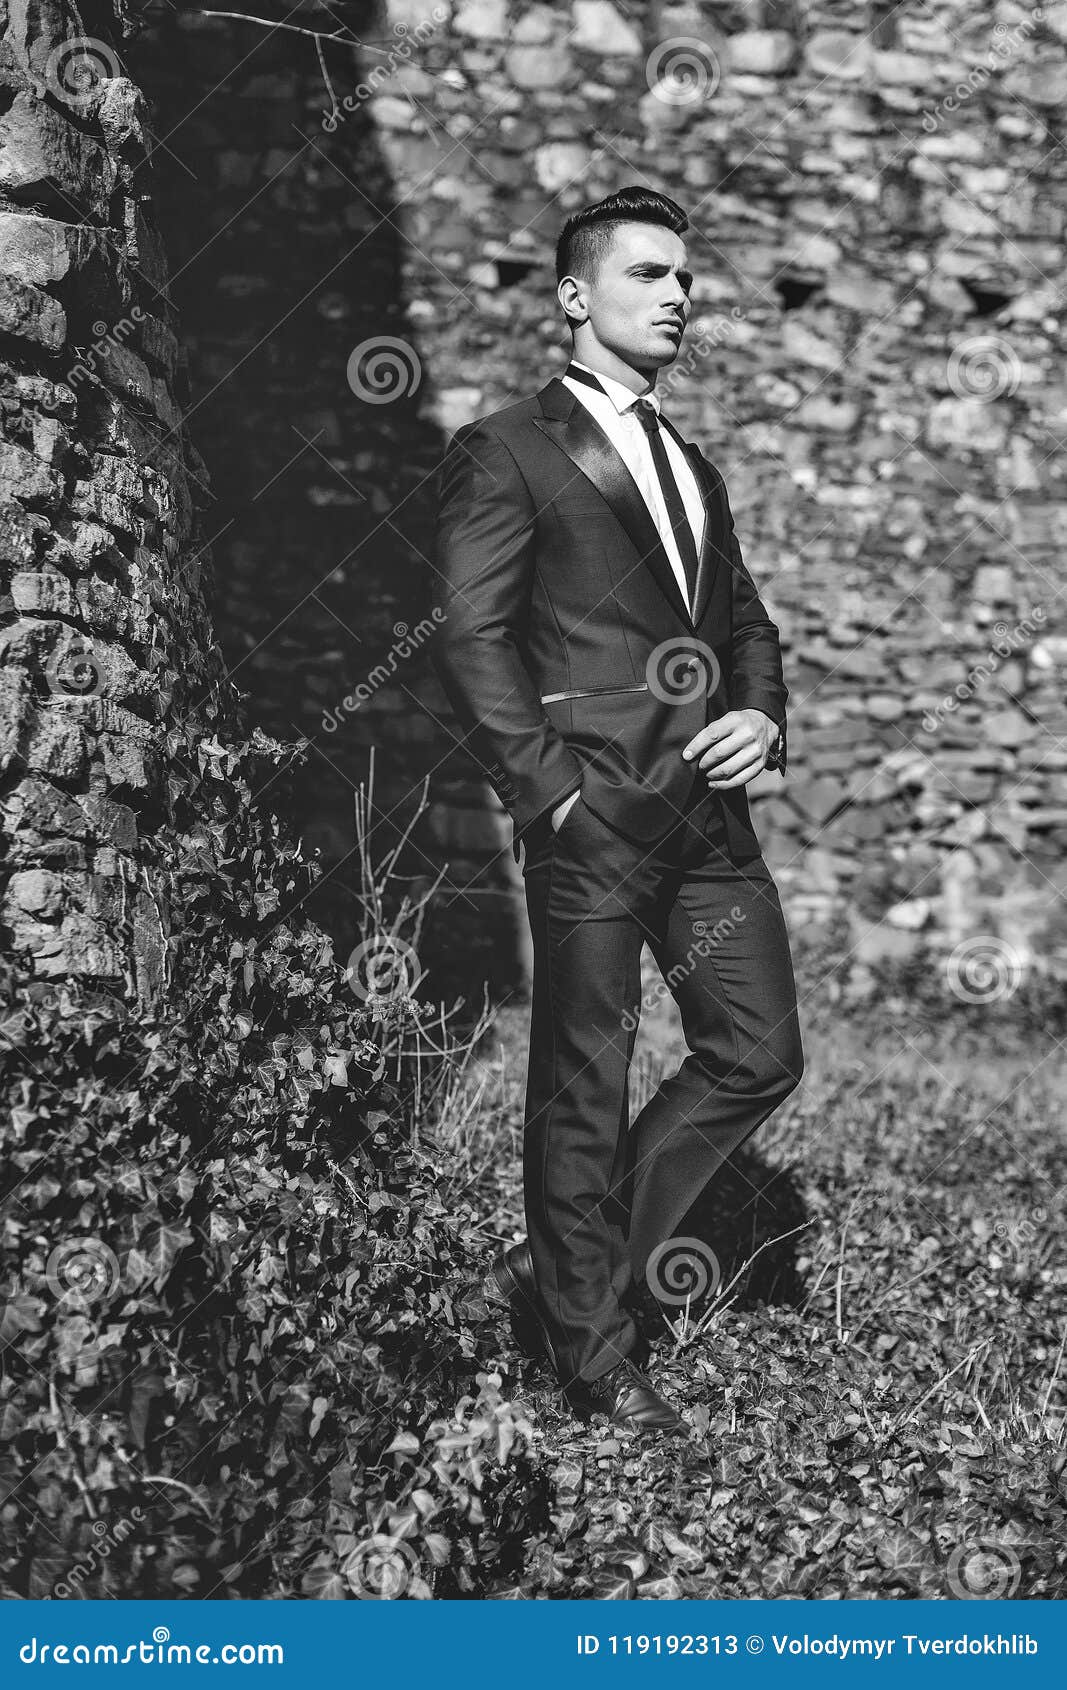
(567, 422)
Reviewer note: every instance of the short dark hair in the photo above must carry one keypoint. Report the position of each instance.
(586, 237)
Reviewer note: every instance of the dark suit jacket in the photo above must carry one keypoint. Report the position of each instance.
(563, 639)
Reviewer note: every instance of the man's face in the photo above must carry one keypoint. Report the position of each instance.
(638, 304)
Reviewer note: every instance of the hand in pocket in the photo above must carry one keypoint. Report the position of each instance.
(563, 810)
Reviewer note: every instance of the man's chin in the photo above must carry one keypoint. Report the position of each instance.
(651, 359)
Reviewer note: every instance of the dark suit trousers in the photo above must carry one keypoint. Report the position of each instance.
(600, 1198)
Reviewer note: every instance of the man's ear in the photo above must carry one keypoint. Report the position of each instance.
(572, 299)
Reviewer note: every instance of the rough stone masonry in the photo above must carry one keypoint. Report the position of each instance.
(875, 363)
(105, 640)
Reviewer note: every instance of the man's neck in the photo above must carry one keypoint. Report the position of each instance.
(604, 363)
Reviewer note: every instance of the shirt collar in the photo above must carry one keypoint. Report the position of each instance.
(621, 396)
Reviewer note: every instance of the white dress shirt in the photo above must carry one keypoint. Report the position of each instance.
(614, 411)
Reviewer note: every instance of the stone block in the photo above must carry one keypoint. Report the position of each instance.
(22, 475)
(26, 313)
(36, 892)
(539, 68)
(41, 153)
(482, 20)
(19, 531)
(838, 53)
(762, 52)
(56, 744)
(599, 27)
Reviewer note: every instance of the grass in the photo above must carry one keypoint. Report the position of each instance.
(877, 1390)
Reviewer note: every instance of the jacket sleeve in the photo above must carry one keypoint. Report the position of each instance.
(483, 581)
(758, 680)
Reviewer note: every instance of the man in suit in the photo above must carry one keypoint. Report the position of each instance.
(607, 655)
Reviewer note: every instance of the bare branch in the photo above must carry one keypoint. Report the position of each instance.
(340, 34)
(343, 35)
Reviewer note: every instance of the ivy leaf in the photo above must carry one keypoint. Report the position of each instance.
(162, 1245)
(20, 1313)
(404, 1443)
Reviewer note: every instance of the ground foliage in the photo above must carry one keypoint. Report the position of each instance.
(246, 1354)
(223, 1264)
(878, 1403)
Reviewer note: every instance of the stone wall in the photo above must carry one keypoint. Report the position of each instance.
(105, 637)
(288, 253)
(875, 363)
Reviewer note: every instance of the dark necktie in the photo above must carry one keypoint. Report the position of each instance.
(681, 528)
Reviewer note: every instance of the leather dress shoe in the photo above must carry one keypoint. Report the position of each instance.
(511, 1280)
(629, 1399)
(511, 1277)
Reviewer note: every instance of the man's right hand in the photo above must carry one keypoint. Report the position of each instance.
(561, 810)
